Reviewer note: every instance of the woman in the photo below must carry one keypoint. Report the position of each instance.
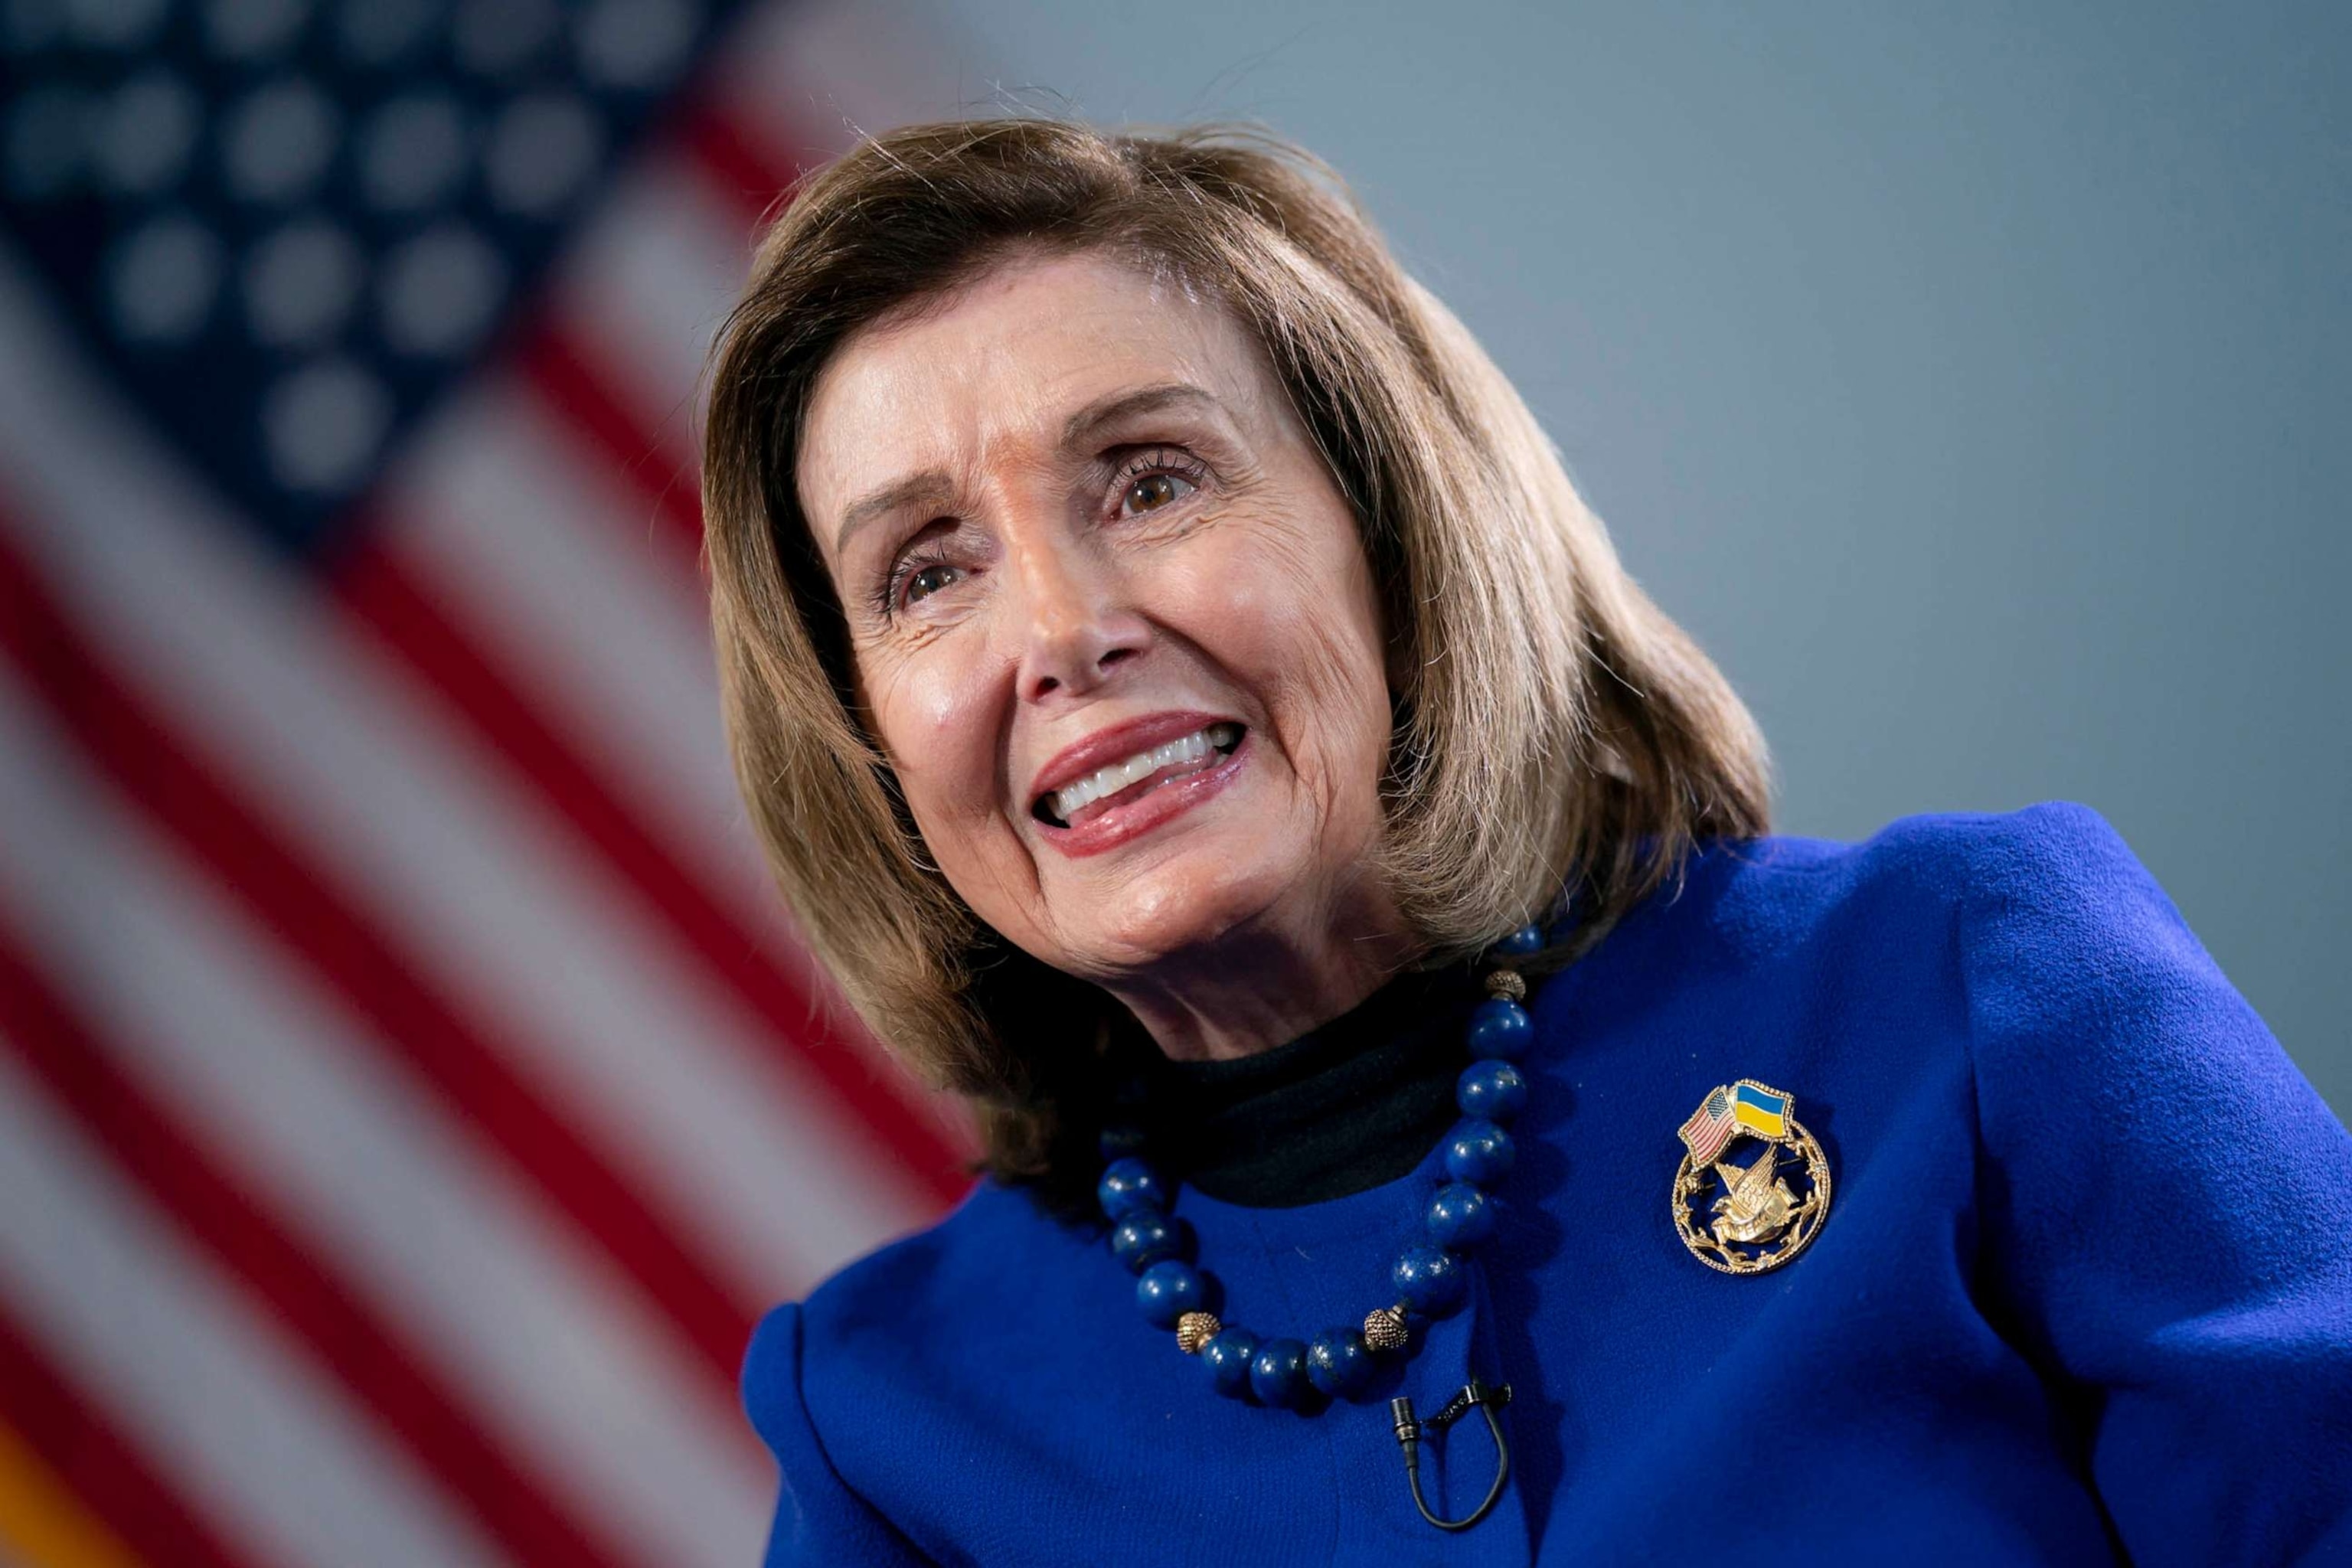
(1425, 1118)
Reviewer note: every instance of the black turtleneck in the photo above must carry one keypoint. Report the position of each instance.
(1351, 1104)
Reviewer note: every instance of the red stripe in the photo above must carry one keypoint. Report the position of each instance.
(565, 375)
(102, 1466)
(349, 1341)
(296, 902)
(742, 166)
(381, 592)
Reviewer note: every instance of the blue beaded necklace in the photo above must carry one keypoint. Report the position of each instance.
(1427, 1279)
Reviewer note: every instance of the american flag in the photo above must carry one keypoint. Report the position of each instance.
(1710, 1126)
(410, 1088)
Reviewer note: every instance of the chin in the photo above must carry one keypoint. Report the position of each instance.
(1191, 904)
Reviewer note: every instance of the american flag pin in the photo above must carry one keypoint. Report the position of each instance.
(1753, 1216)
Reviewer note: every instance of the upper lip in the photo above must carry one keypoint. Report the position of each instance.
(1114, 742)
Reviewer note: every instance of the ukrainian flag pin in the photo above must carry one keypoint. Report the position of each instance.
(1762, 1212)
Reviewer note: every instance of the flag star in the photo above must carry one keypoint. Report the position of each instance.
(440, 292)
(252, 29)
(634, 44)
(278, 140)
(497, 38)
(413, 151)
(299, 282)
(116, 23)
(162, 279)
(543, 149)
(323, 425)
(145, 132)
(380, 33)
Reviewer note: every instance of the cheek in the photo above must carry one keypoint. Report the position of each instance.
(1347, 686)
(1293, 614)
(938, 726)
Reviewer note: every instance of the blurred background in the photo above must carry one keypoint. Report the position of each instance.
(409, 1091)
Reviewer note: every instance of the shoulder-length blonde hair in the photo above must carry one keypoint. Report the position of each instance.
(1555, 737)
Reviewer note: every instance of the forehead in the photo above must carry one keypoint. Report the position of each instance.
(1002, 361)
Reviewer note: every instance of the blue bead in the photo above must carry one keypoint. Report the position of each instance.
(1338, 1361)
(1147, 1237)
(1166, 1290)
(1129, 1185)
(1428, 1279)
(1491, 1090)
(1228, 1356)
(1460, 1216)
(1521, 943)
(1279, 1374)
(1500, 1028)
(1479, 1151)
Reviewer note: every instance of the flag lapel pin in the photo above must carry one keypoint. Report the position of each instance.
(1749, 1217)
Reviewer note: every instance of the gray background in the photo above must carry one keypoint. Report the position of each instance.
(1971, 379)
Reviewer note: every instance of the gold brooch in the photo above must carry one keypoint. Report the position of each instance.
(1756, 1222)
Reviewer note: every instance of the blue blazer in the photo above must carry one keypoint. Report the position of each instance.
(2083, 1291)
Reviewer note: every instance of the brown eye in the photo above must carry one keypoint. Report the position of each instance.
(929, 580)
(1153, 492)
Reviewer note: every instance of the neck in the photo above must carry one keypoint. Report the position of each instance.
(1260, 986)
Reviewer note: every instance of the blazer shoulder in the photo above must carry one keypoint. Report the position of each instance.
(1955, 854)
(818, 1518)
(2050, 855)
(1913, 882)
(932, 1280)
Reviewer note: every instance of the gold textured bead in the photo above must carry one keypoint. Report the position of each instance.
(1508, 984)
(1384, 1328)
(1195, 1330)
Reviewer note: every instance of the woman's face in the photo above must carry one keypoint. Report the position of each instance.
(1110, 617)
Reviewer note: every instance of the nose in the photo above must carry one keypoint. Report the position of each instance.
(1081, 623)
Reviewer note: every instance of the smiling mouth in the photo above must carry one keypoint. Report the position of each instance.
(1132, 778)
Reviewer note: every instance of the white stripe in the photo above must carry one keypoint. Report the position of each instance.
(214, 1020)
(468, 871)
(191, 1368)
(577, 602)
(646, 289)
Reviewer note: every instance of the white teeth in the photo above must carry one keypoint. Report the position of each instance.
(1191, 748)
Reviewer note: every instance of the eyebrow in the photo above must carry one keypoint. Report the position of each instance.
(934, 485)
(1125, 404)
(930, 483)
